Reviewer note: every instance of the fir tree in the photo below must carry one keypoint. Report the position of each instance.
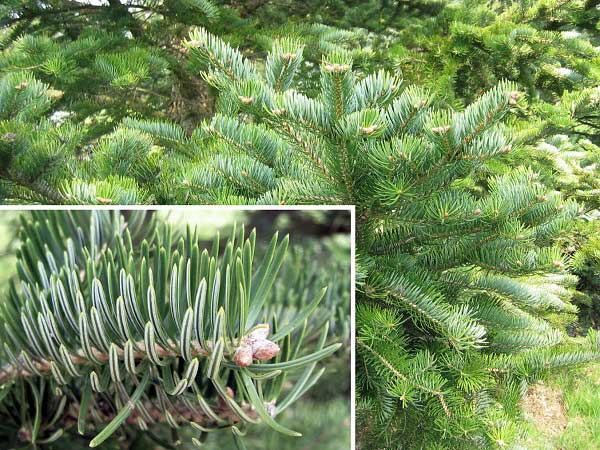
(549, 48)
(465, 201)
(546, 46)
(118, 324)
(69, 75)
(106, 59)
(57, 143)
(463, 293)
(70, 71)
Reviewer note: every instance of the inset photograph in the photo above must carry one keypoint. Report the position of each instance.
(215, 328)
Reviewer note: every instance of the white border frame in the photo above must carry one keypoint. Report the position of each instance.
(350, 208)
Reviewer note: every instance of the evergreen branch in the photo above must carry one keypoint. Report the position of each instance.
(439, 395)
(97, 313)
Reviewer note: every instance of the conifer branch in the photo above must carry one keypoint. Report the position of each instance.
(164, 320)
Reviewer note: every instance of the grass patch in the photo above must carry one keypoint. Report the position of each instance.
(564, 412)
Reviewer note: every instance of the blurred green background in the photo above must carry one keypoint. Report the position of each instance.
(320, 247)
(9, 221)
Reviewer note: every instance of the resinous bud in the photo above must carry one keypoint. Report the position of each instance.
(243, 356)
(264, 349)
